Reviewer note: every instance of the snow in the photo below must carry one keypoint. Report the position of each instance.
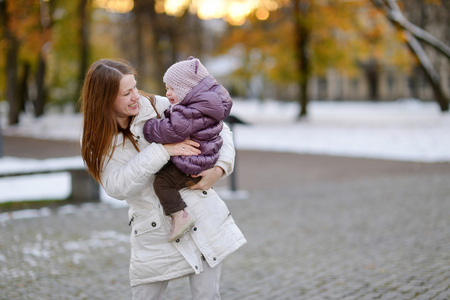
(405, 130)
(11, 165)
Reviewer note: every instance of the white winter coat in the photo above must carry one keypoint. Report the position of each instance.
(129, 176)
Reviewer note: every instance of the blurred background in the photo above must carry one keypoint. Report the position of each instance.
(341, 182)
(286, 50)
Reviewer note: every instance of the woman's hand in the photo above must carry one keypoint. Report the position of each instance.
(187, 148)
(209, 178)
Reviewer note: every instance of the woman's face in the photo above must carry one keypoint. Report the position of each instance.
(126, 103)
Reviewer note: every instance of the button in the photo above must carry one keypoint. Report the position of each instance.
(177, 240)
(135, 232)
(154, 224)
(195, 228)
(196, 267)
(214, 258)
(205, 192)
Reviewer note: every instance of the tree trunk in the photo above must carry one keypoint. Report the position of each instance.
(39, 102)
(12, 94)
(23, 91)
(3, 27)
(430, 73)
(140, 49)
(41, 89)
(197, 49)
(301, 9)
(84, 39)
(11, 66)
(11, 78)
(372, 74)
(157, 47)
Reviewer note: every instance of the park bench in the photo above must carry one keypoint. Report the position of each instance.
(83, 187)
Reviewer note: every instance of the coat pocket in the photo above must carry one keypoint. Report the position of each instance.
(147, 234)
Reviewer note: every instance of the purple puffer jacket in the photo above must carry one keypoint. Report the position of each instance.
(198, 117)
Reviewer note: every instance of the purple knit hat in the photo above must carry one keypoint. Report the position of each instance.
(183, 76)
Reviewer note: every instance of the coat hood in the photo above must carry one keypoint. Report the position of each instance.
(210, 98)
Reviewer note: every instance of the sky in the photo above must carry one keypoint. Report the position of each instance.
(404, 130)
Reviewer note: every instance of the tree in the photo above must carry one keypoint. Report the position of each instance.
(299, 39)
(11, 65)
(412, 35)
(302, 47)
(70, 49)
(41, 89)
(26, 33)
(84, 21)
(171, 38)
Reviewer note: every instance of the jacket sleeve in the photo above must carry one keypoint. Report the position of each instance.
(227, 152)
(175, 129)
(122, 179)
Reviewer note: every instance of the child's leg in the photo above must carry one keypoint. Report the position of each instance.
(167, 183)
(182, 222)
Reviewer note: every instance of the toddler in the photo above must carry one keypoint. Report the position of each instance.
(198, 107)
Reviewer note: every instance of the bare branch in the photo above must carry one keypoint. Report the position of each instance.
(394, 14)
(422, 56)
(413, 35)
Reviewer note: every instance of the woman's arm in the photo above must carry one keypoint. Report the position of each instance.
(125, 174)
(227, 152)
(124, 179)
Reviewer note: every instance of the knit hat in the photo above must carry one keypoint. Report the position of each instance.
(183, 76)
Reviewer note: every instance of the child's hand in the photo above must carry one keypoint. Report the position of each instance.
(209, 178)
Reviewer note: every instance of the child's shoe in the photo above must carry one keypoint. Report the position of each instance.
(182, 222)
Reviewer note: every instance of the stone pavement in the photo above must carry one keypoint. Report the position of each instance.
(318, 227)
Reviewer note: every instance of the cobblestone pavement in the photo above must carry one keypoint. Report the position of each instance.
(379, 234)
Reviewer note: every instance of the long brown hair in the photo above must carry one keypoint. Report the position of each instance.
(99, 92)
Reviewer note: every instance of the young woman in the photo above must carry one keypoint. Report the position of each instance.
(125, 164)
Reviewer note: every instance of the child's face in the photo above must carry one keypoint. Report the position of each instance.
(171, 95)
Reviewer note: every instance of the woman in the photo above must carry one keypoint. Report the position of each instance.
(125, 164)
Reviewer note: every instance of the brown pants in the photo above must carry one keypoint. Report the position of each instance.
(168, 181)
